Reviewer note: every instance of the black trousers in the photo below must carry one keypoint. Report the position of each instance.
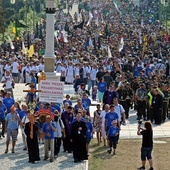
(164, 110)
(141, 109)
(3, 126)
(57, 144)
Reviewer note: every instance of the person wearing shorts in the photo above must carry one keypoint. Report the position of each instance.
(12, 121)
(147, 144)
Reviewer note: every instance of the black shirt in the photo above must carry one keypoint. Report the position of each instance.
(147, 140)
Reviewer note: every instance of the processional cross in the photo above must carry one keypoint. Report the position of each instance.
(32, 106)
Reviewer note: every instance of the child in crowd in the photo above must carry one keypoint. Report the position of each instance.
(112, 136)
(82, 89)
(89, 132)
(94, 93)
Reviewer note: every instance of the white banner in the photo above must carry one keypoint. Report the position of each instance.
(51, 91)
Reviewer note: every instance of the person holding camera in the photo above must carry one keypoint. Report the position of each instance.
(147, 144)
(8, 82)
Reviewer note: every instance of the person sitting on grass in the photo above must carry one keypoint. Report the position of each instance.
(112, 136)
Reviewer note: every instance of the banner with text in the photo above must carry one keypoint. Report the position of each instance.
(51, 91)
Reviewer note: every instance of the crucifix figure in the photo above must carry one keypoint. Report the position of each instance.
(30, 96)
(31, 105)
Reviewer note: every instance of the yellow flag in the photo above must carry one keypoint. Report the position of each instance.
(31, 51)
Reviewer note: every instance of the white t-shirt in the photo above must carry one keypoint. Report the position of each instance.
(15, 67)
(41, 67)
(102, 115)
(8, 82)
(93, 73)
(59, 125)
(119, 110)
(25, 120)
(7, 67)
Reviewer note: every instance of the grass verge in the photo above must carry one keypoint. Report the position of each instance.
(128, 155)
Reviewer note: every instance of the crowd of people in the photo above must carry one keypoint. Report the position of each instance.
(114, 51)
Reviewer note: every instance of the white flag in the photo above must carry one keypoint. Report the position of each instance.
(11, 43)
(90, 42)
(121, 45)
(65, 36)
(142, 23)
(90, 18)
(109, 53)
(23, 48)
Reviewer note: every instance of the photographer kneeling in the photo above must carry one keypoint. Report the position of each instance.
(147, 144)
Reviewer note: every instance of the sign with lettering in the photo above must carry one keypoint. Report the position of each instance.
(51, 91)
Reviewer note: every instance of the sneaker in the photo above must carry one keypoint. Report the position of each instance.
(151, 168)
(24, 149)
(141, 168)
(51, 160)
(45, 159)
(6, 150)
(109, 151)
(13, 151)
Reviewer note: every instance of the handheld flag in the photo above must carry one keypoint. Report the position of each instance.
(109, 52)
(121, 45)
(11, 43)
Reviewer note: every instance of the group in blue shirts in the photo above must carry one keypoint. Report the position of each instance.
(112, 125)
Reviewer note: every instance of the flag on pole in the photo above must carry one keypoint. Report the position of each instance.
(11, 43)
(90, 18)
(142, 23)
(65, 36)
(23, 48)
(90, 42)
(109, 52)
(117, 6)
(14, 29)
(121, 45)
(167, 37)
(31, 50)
(145, 43)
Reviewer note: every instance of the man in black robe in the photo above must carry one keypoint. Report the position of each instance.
(78, 139)
(157, 103)
(33, 149)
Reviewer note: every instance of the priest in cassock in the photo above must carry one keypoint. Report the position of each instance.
(78, 139)
(32, 142)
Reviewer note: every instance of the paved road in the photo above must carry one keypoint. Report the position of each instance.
(19, 159)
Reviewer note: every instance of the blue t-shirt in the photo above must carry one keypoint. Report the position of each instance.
(47, 129)
(8, 102)
(3, 109)
(68, 101)
(12, 121)
(34, 81)
(147, 71)
(22, 114)
(56, 107)
(74, 119)
(86, 102)
(89, 129)
(110, 117)
(113, 131)
(102, 87)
